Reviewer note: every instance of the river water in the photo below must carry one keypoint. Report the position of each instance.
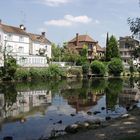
(29, 111)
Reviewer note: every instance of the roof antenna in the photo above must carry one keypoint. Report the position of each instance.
(23, 17)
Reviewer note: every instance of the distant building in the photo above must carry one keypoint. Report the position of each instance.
(30, 50)
(126, 46)
(80, 41)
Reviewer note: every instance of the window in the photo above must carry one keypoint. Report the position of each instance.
(21, 49)
(127, 46)
(21, 39)
(9, 48)
(90, 46)
(9, 37)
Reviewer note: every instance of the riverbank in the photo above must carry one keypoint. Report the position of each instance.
(114, 130)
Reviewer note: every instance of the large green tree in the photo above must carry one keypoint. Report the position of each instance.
(112, 49)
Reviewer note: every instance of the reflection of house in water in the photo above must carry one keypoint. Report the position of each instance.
(25, 102)
(83, 103)
(129, 96)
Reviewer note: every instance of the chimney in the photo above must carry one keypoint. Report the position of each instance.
(0, 21)
(22, 27)
(77, 39)
(43, 34)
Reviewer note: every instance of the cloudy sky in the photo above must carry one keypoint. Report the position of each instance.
(62, 19)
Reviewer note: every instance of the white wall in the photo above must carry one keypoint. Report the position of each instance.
(16, 44)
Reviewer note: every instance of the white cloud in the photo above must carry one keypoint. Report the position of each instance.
(69, 20)
(55, 3)
(78, 19)
(61, 22)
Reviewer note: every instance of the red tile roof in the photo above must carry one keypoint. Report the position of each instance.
(83, 38)
(11, 29)
(38, 38)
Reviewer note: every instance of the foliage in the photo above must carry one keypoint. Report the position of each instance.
(112, 49)
(134, 24)
(115, 66)
(136, 52)
(74, 71)
(56, 52)
(54, 71)
(85, 68)
(9, 68)
(21, 74)
(98, 68)
(70, 55)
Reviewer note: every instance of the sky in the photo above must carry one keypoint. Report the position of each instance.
(62, 19)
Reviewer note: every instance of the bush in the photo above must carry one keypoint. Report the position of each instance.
(54, 71)
(98, 68)
(85, 68)
(74, 71)
(22, 74)
(115, 66)
(35, 73)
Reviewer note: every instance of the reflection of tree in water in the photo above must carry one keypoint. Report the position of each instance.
(10, 95)
(85, 97)
(98, 85)
(113, 89)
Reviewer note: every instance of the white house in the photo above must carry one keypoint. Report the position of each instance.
(30, 50)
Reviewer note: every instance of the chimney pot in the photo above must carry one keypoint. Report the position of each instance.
(43, 34)
(21, 26)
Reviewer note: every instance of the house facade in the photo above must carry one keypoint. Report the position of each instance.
(84, 40)
(16, 41)
(126, 46)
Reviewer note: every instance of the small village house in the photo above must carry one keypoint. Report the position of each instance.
(30, 50)
(94, 49)
(126, 46)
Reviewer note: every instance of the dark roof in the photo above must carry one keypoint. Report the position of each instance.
(38, 38)
(11, 29)
(128, 38)
(83, 38)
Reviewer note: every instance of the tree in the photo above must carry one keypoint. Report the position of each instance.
(112, 49)
(134, 24)
(56, 52)
(115, 66)
(9, 65)
(70, 55)
(98, 68)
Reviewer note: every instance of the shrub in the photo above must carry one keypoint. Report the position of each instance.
(85, 68)
(35, 73)
(54, 71)
(98, 68)
(115, 66)
(75, 71)
(21, 74)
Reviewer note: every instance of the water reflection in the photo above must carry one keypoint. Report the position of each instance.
(39, 108)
